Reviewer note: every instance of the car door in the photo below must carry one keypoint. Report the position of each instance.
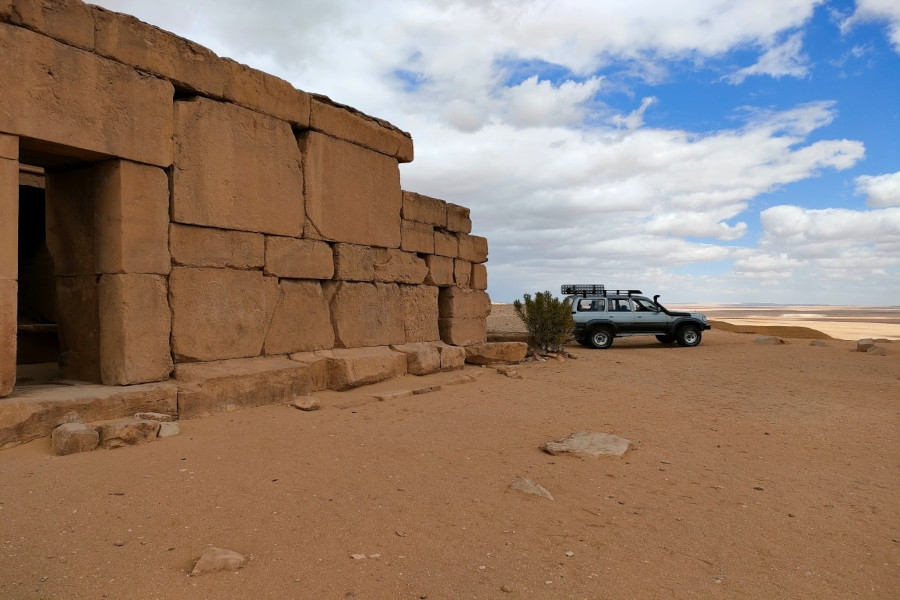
(647, 317)
(621, 314)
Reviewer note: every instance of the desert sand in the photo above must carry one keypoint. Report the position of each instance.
(756, 471)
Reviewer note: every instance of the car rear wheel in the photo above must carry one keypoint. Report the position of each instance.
(687, 336)
(600, 338)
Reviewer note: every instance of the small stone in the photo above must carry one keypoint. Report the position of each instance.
(770, 340)
(168, 430)
(506, 589)
(527, 486)
(586, 443)
(218, 559)
(570, 554)
(508, 371)
(864, 344)
(120, 543)
(357, 556)
(70, 438)
(154, 416)
(877, 351)
(307, 403)
(819, 343)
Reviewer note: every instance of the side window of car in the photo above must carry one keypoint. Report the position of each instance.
(600, 304)
(585, 304)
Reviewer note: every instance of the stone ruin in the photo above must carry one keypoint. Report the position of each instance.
(193, 235)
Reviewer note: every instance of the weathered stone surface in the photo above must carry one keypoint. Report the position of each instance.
(421, 358)
(131, 218)
(440, 270)
(70, 221)
(416, 237)
(265, 93)
(458, 219)
(68, 21)
(302, 319)
(68, 96)
(155, 416)
(463, 332)
(8, 307)
(353, 367)
(70, 438)
(877, 351)
(473, 248)
(508, 371)
(479, 279)
(218, 559)
(220, 313)
(9, 147)
(9, 217)
(420, 313)
(424, 209)
(452, 357)
(769, 340)
(318, 369)
(863, 345)
(78, 305)
(398, 266)
(446, 244)
(365, 314)
(235, 169)
(819, 343)
(463, 303)
(307, 403)
(168, 429)
(298, 259)
(352, 193)
(353, 262)
(35, 412)
(521, 484)
(491, 353)
(135, 327)
(348, 124)
(206, 247)
(587, 443)
(462, 273)
(220, 386)
(127, 433)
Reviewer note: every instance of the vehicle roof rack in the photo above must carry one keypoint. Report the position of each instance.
(594, 289)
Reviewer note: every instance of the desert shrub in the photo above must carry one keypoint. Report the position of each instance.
(547, 318)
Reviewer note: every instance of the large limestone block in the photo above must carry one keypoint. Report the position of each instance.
(35, 412)
(69, 21)
(8, 301)
(235, 169)
(458, 219)
(463, 332)
(424, 209)
(79, 327)
(266, 94)
(349, 124)
(440, 270)
(452, 357)
(70, 199)
(420, 311)
(490, 353)
(9, 146)
(366, 314)
(353, 262)
(473, 248)
(135, 327)
(220, 313)
(318, 369)
(70, 438)
(464, 303)
(213, 387)
(479, 277)
(302, 319)
(446, 244)
(128, 432)
(131, 218)
(398, 266)
(299, 259)
(9, 217)
(462, 273)
(416, 237)
(421, 359)
(207, 247)
(353, 367)
(352, 193)
(57, 93)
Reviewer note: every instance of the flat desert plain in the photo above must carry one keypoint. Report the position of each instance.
(756, 471)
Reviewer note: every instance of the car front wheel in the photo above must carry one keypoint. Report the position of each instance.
(687, 335)
(600, 338)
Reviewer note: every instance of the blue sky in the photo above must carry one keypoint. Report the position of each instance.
(708, 151)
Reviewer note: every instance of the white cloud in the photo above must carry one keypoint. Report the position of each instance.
(782, 60)
(882, 190)
(877, 10)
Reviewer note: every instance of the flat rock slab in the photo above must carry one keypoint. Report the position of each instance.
(586, 443)
(521, 484)
(218, 559)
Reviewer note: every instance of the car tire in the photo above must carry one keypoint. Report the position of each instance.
(666, 339)
(688, 335)
(600, 338)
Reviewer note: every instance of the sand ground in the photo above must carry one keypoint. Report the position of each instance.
(756, 471)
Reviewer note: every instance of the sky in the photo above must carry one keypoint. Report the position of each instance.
(734, 151)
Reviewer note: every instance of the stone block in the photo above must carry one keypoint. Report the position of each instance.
(235, 169)
(135, 327)
(318, 369)
(79, 327)
(9, 147)
(458, 220)
(462, 273)
(71, 438)
(463, 332)
(128, 432)
(168, 430)
(365, 314)
(491, 353)
(265, 93)
(220, 313)
(8, 306)
(416, 237)
(302, 319)
(440, 270)
(423, 209)
(349, 124)
(421, 359)
(131, 218)
(452, 357)
(464, 303)
(298, 259)
(420, 312)
(353, 367)
(473, 248)
(220, 386)
(9, 217)
(67, 96)
(353, 263)
(352, 193)
(206, 247)
(446, 244)
(479, 277)
(70, 200)
(35, 412)
(398, 266)
(69, 21)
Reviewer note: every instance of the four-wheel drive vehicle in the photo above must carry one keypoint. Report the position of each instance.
(601, 315)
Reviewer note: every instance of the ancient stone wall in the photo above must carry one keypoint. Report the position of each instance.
(199, 211)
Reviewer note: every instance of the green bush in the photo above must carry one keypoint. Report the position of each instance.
(548, 319)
